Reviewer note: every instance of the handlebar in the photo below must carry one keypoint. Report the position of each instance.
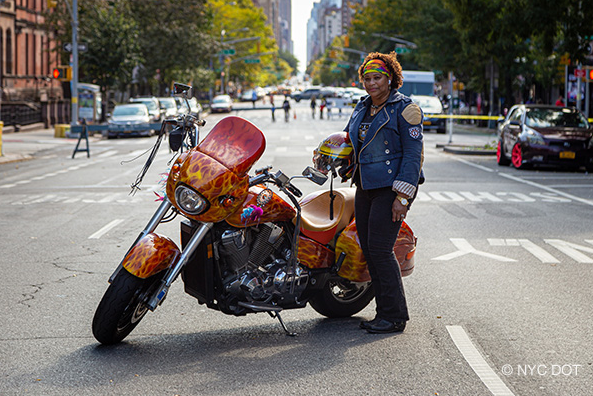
(293, 189)
(279, 179)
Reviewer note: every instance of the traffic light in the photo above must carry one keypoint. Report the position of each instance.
(62, 73)
(346, 41)
(52, 3)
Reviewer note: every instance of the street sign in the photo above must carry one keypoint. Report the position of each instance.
(402, 50)
(344, 66)
(82, 47)
(336, 70)
(580, 73)
(229, 51)
(251, 61)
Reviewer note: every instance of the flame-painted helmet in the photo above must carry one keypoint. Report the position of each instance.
(333, 152)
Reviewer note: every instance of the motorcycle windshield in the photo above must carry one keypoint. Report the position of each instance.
(236, 143)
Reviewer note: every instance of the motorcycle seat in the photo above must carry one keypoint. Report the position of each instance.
(315, 221)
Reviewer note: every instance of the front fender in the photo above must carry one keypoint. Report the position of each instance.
(152, 254)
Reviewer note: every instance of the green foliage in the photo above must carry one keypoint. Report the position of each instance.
(108, 26)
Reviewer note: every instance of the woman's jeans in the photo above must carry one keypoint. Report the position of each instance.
(377, 234)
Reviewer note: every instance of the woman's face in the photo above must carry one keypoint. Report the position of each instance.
(376, 84)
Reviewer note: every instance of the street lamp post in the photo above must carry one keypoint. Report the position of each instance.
(221, 57)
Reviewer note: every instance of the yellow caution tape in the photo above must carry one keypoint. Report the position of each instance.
(471, 117)
(464, 117)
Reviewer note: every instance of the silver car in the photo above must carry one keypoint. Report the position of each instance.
(129, 120)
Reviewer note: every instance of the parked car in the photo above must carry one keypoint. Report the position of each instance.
(545, 135)
(307, 94)
(221, 104)
(125, 119)
(168, 106)
(194, 105)
(247, 96)
(431, 105)
(153, 105)
(354, 94)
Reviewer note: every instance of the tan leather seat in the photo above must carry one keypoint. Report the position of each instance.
(315, 210)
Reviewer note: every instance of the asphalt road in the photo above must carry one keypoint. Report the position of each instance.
(499, 300)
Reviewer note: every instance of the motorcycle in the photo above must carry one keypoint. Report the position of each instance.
(244, 249)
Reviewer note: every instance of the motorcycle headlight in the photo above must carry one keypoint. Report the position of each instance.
(190, 201)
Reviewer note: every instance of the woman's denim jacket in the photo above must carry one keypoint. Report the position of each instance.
(392, 149)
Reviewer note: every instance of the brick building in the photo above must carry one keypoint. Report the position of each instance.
(27, 55)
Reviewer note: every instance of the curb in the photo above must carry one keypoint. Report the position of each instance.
(460, 149)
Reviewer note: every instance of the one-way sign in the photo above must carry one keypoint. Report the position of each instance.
(82, 47)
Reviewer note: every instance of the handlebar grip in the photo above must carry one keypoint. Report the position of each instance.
(293, 189)
(258, 179)
(262, 170)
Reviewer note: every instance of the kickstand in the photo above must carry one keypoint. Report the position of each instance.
(276, 315)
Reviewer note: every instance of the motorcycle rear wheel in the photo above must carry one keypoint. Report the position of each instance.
(122, 307)
(341, 298)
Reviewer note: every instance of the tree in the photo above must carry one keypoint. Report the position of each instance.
(108, 26)
(173, 37)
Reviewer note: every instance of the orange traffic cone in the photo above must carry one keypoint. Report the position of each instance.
(295, 115)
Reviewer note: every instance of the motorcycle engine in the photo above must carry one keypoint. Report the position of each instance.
(255, 266)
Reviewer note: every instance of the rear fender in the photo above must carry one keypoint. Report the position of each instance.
(152, 254)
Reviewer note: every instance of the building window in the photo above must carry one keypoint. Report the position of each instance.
(8, 52)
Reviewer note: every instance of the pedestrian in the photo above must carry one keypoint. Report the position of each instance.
(253, 97)
(385, 129)
(560, 101)
(286, 107)
(321, 107)
(313, 106)
(328, 106)
(273, 107)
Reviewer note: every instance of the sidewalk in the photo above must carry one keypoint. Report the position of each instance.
(469, 139)
(23, 145)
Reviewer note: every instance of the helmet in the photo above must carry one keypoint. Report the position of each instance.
(333, 152)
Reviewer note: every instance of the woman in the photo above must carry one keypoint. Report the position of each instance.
(385, 129)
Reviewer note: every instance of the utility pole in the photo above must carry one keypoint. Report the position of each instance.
(74, 84)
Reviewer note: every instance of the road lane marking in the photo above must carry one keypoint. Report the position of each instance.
(106, 229)
(572, 249)
(531, 247)
(472, 164)
(477, 362)
(464, 248)
(107, 154)
(553, 190)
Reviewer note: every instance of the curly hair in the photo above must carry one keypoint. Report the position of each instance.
(393, 66)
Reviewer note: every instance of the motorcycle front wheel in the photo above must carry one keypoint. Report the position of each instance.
(122, 307)
(341, 298)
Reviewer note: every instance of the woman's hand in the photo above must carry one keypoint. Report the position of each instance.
(398, 211)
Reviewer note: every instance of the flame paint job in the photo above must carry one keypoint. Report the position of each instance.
(212, 180)
(217, 168)
(275, 210)
(236, 143)
(150, 255)
(354, 266)
(314, 255)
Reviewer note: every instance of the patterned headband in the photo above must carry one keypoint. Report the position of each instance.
(375, 66)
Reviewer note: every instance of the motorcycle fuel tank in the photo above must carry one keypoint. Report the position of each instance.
(275, 209)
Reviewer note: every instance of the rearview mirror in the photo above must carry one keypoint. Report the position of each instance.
(314, 175)
(182, 90)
